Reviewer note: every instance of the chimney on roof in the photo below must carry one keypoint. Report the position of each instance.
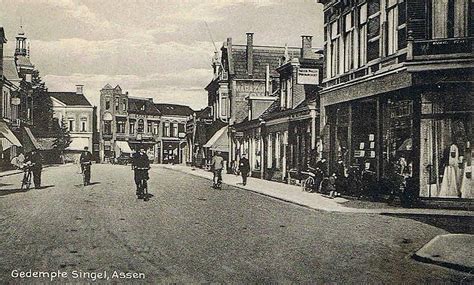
(150, 99)
(250, 53)
(79, 89)
(307, 47)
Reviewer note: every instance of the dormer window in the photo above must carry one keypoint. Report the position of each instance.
(142, 108)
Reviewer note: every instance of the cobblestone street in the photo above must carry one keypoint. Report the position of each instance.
(189, 232)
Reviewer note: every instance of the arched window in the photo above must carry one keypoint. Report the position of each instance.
(140, 126)
(83, 124)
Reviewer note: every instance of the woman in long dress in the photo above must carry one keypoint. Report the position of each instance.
(449, 185)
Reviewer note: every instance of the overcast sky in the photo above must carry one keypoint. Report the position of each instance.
(151, 48)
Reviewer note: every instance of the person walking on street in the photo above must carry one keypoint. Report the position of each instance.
(140, 166)
(244, 168)
(217, 164)
(36, 161)
(86, 161)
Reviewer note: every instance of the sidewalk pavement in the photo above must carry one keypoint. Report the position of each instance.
(455, 251)
(294, 194)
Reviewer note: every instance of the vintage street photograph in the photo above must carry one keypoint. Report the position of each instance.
(236, 142)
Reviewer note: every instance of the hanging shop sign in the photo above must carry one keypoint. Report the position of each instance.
(309, 76)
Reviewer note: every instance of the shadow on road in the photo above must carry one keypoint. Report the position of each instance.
(452, 224)
(4, 192)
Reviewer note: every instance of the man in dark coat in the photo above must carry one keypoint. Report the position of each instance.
(86, 161)
(140, 165)
(36, 161)
(244, 168)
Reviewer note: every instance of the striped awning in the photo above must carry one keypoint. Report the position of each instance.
(219, 141)
(7, 138)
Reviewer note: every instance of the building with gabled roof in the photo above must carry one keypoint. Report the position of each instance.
(127, 123)
(245, 81)
(174, 117)
(76, 112)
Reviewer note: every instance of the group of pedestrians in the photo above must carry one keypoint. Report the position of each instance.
(217, 165)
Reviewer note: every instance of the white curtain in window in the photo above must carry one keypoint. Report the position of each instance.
(440, 19)
(461, 17)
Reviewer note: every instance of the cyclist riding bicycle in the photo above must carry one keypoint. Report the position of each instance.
(86, 161)
(217, 164)
(35, 160)
(140, 165)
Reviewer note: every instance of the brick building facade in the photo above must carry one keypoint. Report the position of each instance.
(397, 98)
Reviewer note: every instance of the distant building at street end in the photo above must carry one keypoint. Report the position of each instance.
(127, 123)
(77, 113)
(172, 139)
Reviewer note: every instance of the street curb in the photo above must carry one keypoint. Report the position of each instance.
(446, 264)
(395, 213)
(422, 255)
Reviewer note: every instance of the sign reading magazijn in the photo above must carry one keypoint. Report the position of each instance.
(308, 76)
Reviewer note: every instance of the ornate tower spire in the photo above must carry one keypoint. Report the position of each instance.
(21, 42)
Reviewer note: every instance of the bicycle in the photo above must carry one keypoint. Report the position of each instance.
(143, 185)
(26, 182)
(313, 182)
(86, 172)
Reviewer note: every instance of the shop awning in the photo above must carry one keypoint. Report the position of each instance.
(7, 138)
(78, 144)
(123, 146)
(32, 138)
(219, 141)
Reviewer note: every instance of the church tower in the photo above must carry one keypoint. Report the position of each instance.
(21, 44)
(22, 55)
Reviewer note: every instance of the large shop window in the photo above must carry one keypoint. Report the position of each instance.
(446, 147)
(364, 126)
(397, 151)
(342, 133)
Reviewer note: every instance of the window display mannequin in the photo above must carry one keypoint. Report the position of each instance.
(449, 185)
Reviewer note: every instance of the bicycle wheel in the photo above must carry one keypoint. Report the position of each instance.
(28, 180)
(23, 182)
(308, 184)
